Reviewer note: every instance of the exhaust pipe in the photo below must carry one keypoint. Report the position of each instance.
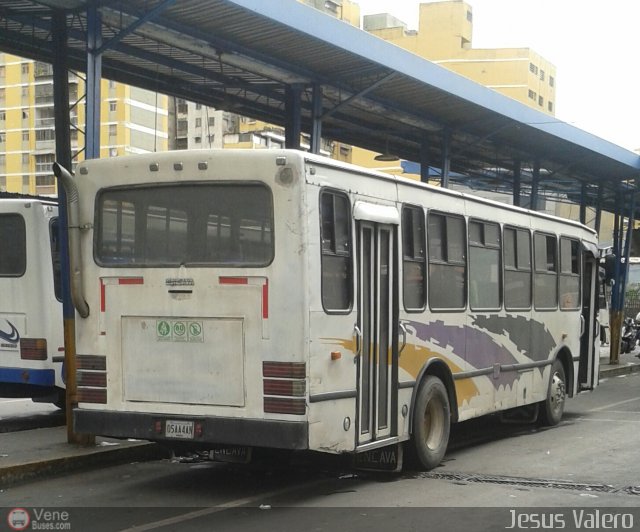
(73, 225)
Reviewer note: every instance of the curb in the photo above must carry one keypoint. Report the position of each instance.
(615, 371)
(14, 474)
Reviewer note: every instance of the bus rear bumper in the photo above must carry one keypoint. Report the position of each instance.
(208, 430)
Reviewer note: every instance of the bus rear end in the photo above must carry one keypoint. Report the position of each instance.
(185, 341)
(31, 329)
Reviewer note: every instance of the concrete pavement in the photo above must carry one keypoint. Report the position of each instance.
(45, 451)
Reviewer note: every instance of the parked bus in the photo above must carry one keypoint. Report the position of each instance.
(284, 300)
(31, 326)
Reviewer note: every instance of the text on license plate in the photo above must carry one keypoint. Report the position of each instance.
(178, 429)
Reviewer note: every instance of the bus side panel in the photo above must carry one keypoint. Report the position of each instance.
(29, 310)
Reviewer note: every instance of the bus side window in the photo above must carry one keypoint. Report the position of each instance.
(54, 237)
(484, 265)
(545, 284)
(447, 261)
(335, 229)
(413, 265)
(569, 281)
(13, 251)
(517, 269)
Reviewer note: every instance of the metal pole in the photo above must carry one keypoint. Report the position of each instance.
(63, 157)
(446, 158)
(316, 131)
(94, 78)
(517, 181)
(293, 127)
(424, 159)
(615, 315)
(535, 181)
(599, 209)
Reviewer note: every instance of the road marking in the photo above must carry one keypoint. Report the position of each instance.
(4, 402)
(220, 508)
(614, 404)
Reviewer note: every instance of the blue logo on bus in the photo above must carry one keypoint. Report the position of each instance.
(12, 336)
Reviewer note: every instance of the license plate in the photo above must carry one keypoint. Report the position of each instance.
(178, 429)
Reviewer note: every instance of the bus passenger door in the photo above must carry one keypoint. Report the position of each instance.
(589, 356)
(377, 321)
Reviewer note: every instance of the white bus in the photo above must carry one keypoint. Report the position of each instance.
(280, 299)
(31, 326)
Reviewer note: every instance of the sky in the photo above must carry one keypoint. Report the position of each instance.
(592, 43)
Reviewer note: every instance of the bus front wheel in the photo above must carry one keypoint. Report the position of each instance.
(552, 408)
(431, 423)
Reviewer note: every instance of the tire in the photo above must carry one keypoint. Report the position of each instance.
(552, 408)
(431, 423)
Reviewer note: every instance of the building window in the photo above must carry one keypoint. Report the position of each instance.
(113, 130)
(113, 106)
(2, 71)
(551, 81)
(198, 122)
(469, 16)
(25, 91)
(533, 68)
(197, 140)
(532, 95)
(3, 159)
(540, 101)
(3, 116)
(550, 106)
(25, 136)
(25, 158)
(198, 106)
(212, 121)
(25, 68)
(541, 75)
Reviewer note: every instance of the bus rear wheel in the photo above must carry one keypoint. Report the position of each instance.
(552, 408)
(431, 423)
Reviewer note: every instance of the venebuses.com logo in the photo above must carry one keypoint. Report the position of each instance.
(38, 519)
(18, 519)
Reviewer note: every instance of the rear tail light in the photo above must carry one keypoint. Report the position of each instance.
(33, 348)
(91, 378)
(287, 381)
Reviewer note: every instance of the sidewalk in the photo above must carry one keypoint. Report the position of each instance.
(31, 453)
(628, 363)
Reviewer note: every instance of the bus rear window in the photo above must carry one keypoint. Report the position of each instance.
(13, 251)
(209, 224)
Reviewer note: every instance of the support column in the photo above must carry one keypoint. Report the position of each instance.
(599, 209)
(293, 106)
(63, 157)
(424, 159)
(615, 312)
(583, 203)
(517, 182)
(316, 126)
(94, 78)
(535, 183)
(446, 159)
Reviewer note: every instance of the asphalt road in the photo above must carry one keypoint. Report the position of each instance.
(492, 473)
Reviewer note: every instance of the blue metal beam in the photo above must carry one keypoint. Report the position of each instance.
(94, 78)
(133, 27)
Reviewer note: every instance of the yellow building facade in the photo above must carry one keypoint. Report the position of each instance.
(445, 37)
(133, 121)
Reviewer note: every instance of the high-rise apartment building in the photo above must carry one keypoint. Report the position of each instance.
(445, 36)
(133, 121)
